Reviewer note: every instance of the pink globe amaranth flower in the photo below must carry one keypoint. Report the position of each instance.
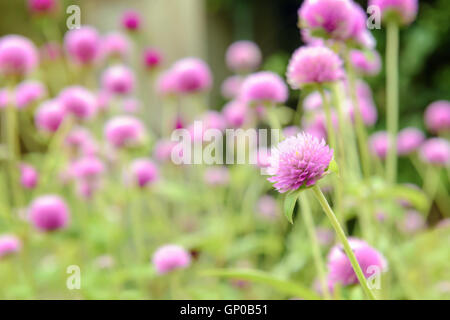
(49, 213)
(87, 168)
(243, 56)
(341, 270)
(144, 172)
(131, 20)
(313, 65)
(298, 161)
(163, 150)
(264, 87)
(29, 92)
(170, 257)
(115, 45)
(213, 120)
(366, 62)
(78, 101)
(369, 113)
(437, 116)
(18, 56)
(267, 207)
(9, 244)
(291, 131)
(166, 84)
(28, 176)
(316, 125)
(402, 11)
(49, 116)
(41, 6)
(152, 58)
(231, 87)
(412, 222)
(81, 142)
(124, 131)
(435, 151)
(191, 75)
(313, 101)
(409, 140)
(118, 79)
(236, 113)
(379, 144)
(217, 176)
(83, 45)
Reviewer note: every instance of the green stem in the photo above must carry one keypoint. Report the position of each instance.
(392, 99)
(341, 235)
(318, 261)
(329, 121)
(274, 122)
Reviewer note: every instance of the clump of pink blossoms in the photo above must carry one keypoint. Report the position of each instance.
(171, 257)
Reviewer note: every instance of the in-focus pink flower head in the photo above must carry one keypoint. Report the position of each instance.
(313, 65)
(267, 207)
(124, 131)
(49, 213)
(87, 168)
(49, 115)
(83, 45)
(409, 140)
(366, 62)
(236, 113)
(166, 85)
(42, 6)
(9, 244)
(435, 151)
(118, 79)
(231, 87)
(298, 161)
(152, 58)
(18, 56)
(191, 75)
(78, 101)
(264, 87)
(403, 12)
(217, 176)
(115, 45)
(28, 92)
(144, 172)
(437, 116)
(243, 56)
(412, 222)
(131, 20)
(171, 257)
(339, 266)
(379, 144)
(29, 177)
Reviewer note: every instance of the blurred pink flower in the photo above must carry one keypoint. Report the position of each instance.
(243, 56)
(152, 58)
(9, 244)
(236, 113)
(29, 177)
(366, 62)
(118, 79)
(131, 20)
(170, 257)
(191, 75)
(83, 45)
(437, 116)
(231, 87)
(409, 140)
(49, 116)
(115, 45)
(124, 131)
(28, 92)
(144, 172)
(435, 151)
(18, 56)
(402, 11)
(49, 213)
(379, 144)
(264, 87)
(78, 101)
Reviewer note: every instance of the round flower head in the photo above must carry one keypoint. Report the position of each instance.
(82, 45)
(243, 56)
(28, 176)
(298, 161)
(412, 222)
(9, 244)
(131, 20)
(87, 168)
(115, 45)
(166, 84)
(231, 87)
(81, 142)
(379, 144)
(401, 11)
(170, 257)
(437, 116)
(152, 58)
(18, 56)
(409, 140)
(310, 65)
(191, 75)
(267, 207)
(41, 6)
(29, 92)
(118, 79)
(78, 101)
(49, 116)
(144, 172)
(339, 266)
(264, 87)
(124, 131)
(217, 176)
(49, 213)
(435, 151)
(213, 120)
(366, 62)
(163, 150)
(313, 101)
(235, 113)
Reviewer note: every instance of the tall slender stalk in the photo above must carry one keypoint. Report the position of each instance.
(328, 118)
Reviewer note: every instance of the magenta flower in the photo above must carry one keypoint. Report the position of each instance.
(163, 150)
(231, 87)
(312, 65)
(166, 84)
(49, 213)
(18, 56)
(437, 116)
(87, 168)
(236, 113)
(216, 176)
(9, 244)
(366, 62)
(131, 20)
(435, 151)
(49, 116)
(191, 75)
(78, 101)
(264, 87)
(41, 6)
(152, 58)
(367, 108)
(83, 45)
(144, 172)
(402, 11)
(409, 140)
(379, 144)
(171, 257)
(115, 45)
(81, 142)
(313, 101)
(298, 161)
(118, 79)
(124, 131)
(243, 56)
(29, 177)
(28, 92)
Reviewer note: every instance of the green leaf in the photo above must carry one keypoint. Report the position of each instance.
(281, 285)
(289, 204)
(333, 167)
